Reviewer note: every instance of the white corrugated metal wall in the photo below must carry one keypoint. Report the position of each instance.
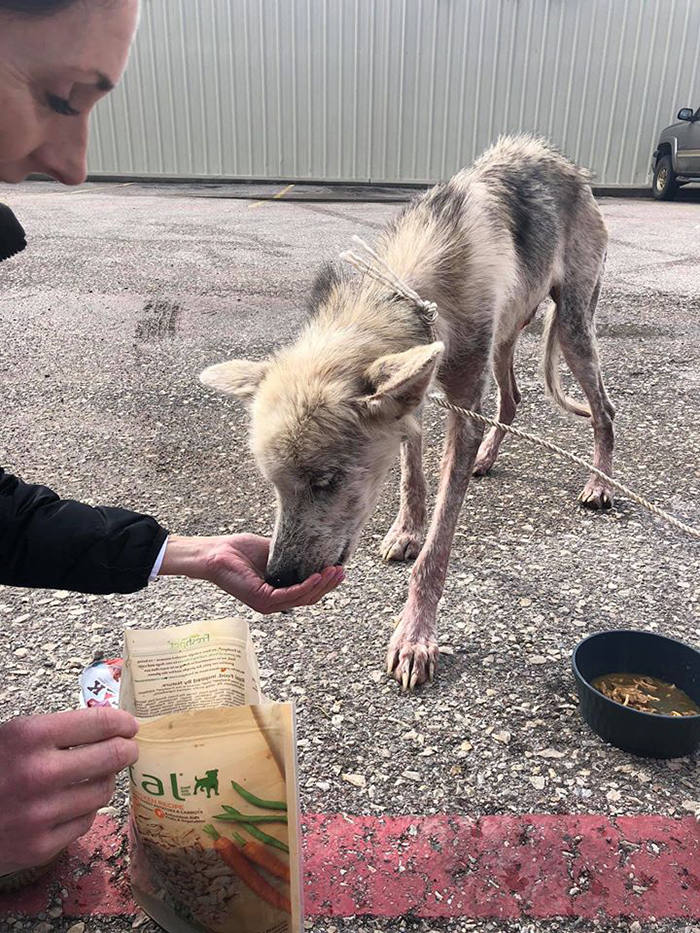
(394, 90)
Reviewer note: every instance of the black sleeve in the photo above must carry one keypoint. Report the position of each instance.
(60, 544)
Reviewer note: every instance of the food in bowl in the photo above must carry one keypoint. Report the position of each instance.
(646, 694)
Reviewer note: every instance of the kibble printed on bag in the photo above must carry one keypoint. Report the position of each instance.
(214, 825)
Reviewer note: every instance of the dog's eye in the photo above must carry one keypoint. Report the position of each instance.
(324, 482)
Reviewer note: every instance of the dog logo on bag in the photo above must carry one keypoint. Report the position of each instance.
(209, 783)
(174, 787)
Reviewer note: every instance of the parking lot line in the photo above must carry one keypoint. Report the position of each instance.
(275, 197)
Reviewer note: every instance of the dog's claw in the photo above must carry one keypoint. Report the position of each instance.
(411, 662)
(596, 495)
(486, 456)
(482, 466)
(401, 544)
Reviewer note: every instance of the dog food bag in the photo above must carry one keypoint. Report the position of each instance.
(214, 825)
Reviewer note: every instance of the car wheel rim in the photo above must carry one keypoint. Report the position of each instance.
(662, 178)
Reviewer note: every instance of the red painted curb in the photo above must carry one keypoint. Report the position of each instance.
(93, 873)
(439, 866)
(503, 866)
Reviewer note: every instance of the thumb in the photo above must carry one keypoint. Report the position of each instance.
(257, 546)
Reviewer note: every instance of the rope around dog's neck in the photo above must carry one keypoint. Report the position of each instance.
(376, 268)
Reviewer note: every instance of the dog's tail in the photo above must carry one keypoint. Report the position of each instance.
(550, 369)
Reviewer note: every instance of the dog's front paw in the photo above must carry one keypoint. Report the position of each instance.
(596, 495)
(401, 544)
(412, 659)
(486, 455)
(483, 464)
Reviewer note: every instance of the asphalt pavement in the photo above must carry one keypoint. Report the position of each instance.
(105, 322)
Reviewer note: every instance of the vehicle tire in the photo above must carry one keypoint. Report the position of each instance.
(664, 185)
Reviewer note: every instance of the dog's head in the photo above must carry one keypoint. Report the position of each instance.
(328, 417)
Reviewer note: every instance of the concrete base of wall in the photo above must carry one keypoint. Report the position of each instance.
(261, 190)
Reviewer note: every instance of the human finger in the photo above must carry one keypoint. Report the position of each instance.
(91, 762)
(81, 799)
(66, 833)
(84, 726)
(323, 590)
(328, 580)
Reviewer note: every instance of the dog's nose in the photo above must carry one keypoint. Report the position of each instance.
(285, 576)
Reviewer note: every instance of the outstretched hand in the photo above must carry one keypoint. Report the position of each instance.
(238, 566)
(237, 563)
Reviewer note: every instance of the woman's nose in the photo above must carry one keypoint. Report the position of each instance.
(65, 156)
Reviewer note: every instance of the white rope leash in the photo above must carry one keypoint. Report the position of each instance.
(559, 451)
(376, 268)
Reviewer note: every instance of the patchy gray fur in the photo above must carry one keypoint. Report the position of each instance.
(328, 278)
(330, 412)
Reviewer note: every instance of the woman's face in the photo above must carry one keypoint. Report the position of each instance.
(53, 70)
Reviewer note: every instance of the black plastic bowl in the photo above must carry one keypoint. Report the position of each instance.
(632, 652)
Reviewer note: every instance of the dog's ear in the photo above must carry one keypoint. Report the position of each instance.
(237, 377)
(401, 380)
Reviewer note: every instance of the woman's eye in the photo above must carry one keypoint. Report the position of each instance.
(62, 106)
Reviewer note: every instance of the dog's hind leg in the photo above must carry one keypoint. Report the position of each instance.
(508, 400)
(576, 334)
(404, 539)
(413, 649)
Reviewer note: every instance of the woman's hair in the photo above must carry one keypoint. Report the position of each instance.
(34, 7)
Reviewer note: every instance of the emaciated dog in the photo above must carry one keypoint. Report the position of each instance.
(331, 411)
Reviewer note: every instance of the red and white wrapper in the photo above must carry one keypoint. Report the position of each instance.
(99, 683)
